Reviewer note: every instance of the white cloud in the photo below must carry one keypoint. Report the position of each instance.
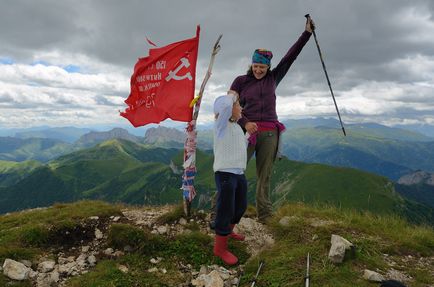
(379, 56)
(40, 94)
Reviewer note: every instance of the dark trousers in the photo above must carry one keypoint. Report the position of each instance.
(265, 152)
(231, 200)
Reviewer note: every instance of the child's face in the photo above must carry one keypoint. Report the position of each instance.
(236, 111)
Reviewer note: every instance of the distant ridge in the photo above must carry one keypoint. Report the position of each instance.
(93, 138)
(67, 134)
(417, 177)
(167, 137)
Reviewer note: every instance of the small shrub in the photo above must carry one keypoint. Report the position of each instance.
(121, 235)
(172, 216)
(36, 236)
(194, 248)
(16, 253)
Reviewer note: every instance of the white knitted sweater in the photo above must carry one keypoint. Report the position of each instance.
(230, 151)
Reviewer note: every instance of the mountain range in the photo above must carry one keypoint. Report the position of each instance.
(392, 152)
(124, 171)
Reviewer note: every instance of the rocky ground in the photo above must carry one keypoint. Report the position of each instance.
(62, 263)
(59, 265)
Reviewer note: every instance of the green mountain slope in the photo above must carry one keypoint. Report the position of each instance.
(69, 177)
(320, 144)
(344, 188)
(123, 171)
(151, 183)
(12, 172)
(388, 132)
(317, 183)
(423, 193)
(42, 187)
(41, 149)
(347, 156)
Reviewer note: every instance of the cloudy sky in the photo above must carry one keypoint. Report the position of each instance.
(69, 62)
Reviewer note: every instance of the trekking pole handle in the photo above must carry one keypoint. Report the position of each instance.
(307, 19)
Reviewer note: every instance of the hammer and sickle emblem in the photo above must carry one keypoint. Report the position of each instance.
(173, 74)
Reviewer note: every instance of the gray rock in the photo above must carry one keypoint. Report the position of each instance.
(372, 276)
(68, 268)
(338, 247)
(47, 279)
(162, 229)
(153, 269)
(123, 268)
(212, 279)
(397, 275)
(203, 270)
(46, 266)
(98, 234)
(156, 260)
(108, 251)
(27, 263)
(118, 253)
(15, 270)
(92, 260)
(81, 261)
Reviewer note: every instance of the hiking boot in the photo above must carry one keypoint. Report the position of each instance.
(236, 236)
(221, 250)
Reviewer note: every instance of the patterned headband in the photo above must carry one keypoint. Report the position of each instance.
(262, 56)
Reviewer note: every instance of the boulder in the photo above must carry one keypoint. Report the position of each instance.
(372, 276)
(339, 245)
(15, 270)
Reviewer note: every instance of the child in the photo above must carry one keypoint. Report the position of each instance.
(230, 159)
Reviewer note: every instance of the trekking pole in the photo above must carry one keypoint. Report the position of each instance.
(239, 279)
(307, 279)
(327, 76)
(261, 263)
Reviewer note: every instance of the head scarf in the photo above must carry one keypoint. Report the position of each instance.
(262, 56)
(223, 108)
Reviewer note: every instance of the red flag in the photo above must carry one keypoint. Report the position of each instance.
(162, 85)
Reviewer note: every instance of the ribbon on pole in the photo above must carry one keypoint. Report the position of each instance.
(189, 192)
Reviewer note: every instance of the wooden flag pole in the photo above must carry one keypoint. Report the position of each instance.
(191, 127)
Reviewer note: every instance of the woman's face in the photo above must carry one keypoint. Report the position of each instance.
(259, 70)
(236, 111)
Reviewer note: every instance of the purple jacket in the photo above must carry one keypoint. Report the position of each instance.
(258, 97)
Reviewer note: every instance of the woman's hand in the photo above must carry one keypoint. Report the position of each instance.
(310, 25)
(251, 127)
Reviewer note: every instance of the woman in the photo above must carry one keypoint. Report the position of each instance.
(257, 91)
(230, 159)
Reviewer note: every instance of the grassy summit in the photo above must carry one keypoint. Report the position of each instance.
(383, 243)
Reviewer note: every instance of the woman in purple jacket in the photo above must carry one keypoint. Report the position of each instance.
(257, 91)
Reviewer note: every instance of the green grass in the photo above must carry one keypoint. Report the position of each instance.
(28, 235)
(193, 248)
(23, 235)
(373, 236)
(107, 274)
